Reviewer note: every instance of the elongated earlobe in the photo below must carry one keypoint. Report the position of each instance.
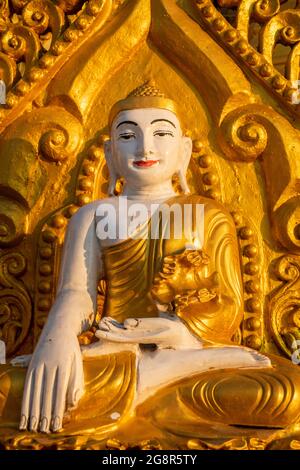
(113, 176)
(186, 156)
(183, 182)
(112, 184)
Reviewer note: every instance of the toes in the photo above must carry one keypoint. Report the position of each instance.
(103, 326)
(131, 323)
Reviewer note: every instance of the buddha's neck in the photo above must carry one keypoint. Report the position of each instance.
(161, 192)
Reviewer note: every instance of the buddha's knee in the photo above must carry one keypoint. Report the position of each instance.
(11, 391)
(265, 397)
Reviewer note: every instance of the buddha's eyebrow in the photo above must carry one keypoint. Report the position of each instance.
(166, 120)
(126, 122)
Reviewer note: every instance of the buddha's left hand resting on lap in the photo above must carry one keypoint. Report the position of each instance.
(183, 296)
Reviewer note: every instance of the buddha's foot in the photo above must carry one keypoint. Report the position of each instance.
(267, 397)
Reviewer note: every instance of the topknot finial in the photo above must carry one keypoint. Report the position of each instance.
(145, 96)
(147, 89)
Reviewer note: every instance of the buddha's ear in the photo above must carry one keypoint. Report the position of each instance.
(186, 152)
(111, 167)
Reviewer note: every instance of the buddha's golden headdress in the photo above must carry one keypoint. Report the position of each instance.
(145, 96)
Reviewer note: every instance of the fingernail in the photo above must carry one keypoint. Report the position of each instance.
(44, 424)
(33, 423)
(23, 423)
(56, 424)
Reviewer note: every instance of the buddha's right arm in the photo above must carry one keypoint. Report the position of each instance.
(80, 271)
(55, 373)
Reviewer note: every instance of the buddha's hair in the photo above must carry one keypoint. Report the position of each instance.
(144, 96)
(147, 89)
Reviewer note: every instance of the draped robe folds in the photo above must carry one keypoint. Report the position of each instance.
(131, 265)
(230, 389)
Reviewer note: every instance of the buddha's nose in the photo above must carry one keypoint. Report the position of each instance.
(145, 154)
(145, 148)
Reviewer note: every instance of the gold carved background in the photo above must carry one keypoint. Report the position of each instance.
(232, 67)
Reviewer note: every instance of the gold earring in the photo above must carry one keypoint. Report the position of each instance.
(176, 183)
(119, 186)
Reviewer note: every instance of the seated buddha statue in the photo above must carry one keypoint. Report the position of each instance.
(164, 349)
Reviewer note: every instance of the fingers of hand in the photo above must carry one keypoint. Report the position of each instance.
(63, 376)
(32, 396)
(112, 336)
(47, 405)
(76, 383)
(119, 335)
(26, 400)
(110, 324)
(36, 397)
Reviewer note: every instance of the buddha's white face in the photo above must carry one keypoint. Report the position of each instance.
(147, 146)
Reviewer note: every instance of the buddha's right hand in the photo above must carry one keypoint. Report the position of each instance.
(54, 382)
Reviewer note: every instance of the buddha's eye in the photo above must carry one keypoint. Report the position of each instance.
(163, 133)
(126, 136)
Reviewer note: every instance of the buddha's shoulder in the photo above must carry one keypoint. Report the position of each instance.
(210, 206)
(89, 211)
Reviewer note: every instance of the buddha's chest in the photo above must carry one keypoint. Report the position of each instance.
(179, 225)
(118, 221)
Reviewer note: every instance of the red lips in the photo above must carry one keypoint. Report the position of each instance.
(145, 163)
